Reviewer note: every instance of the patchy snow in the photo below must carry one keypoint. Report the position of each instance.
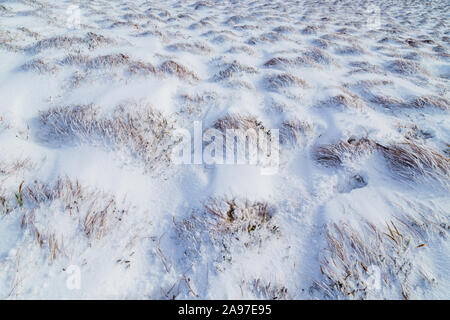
(92, 205)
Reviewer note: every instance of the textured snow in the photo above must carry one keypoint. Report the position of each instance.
(88, 108)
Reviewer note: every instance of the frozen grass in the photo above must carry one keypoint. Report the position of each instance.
(334, 155)
(431, 102)
(94, 212)
(267, 291)
(142, 68)
(12, 170)
(238, 121)
(295, 132)
(411, 161)
(196, 47)
(353, 257)
(230, 225)
(54, 213)
(349, 253)
(40, 66)
(143, 134)
(8, 168)
(408, 160)
(344, 100)
(406, 67)
(108, 61)
(278, 81)
(174, 68)
(91, 41)
(232, 70)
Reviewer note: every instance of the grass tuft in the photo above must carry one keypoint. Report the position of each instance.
(142, 133)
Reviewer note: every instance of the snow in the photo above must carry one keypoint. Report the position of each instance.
(158, 240)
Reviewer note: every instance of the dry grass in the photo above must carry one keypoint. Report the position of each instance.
(345, 100)
(268, 37)
(134, 67)
(364, 67)
(238, 19)
(8, 168)
(172, 67)
(228, 224)
(12, 170)
(29, 33)
(351, 256)
(58, 42)
(6, 205)
(100, 62)
(142, 68)
(413, 43)
(410, 161)
(425, 223)
(232, 69)
(235, 216)
(193, 106)
(319, 56)
(267, 291)
(108, 61)
(223, 38)
(91, 211)
(447, 149)
(366, 84)
(40, 66)
(431, 102)
(387, 102)
(246, 27)
(279, 61)
(282, 62)
(142, 133)
(155, 33)
(195, 48)
(91, 40)
(352, 49)
(406, 67)
(321, 43)
(310, 30)
(413, 132)
(278, 81)
(293, 132)
(239, 122)
(350, 253)
(94, 40)
(250, 134)
(241, 49)
(284, 29)
(120, 24)
(334, 155)
(75, 59)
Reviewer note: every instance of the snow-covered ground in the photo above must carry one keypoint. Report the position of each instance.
(93, 93)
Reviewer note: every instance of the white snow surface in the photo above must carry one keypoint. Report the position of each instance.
(335, 73)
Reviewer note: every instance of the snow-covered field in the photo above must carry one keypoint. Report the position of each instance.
(93, 94)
